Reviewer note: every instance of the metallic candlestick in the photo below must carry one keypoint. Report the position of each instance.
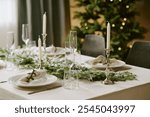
(107, 81)
(44, 41)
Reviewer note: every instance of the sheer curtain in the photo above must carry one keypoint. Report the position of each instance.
(8, 20)
(14, 13)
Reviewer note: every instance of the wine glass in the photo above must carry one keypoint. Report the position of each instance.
(10, 41)
(25, 34)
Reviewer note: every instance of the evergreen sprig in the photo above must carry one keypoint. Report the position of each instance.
(58, 68)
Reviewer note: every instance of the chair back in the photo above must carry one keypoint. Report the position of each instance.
(94, 45)
(139, 55)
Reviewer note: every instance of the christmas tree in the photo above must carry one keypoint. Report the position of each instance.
(121, 15)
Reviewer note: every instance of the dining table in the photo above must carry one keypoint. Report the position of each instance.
(138, 89)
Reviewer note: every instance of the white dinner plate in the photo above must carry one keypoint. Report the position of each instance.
(42, 82)
(115, 64)
(2, 64)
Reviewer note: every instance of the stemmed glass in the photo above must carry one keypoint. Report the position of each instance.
(10, 41)
(10, 47)
(25, 34)
(73, 41)
(71, 74)
(73, 44)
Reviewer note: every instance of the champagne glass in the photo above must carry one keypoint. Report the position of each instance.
(70, 80)
(10, 47)
(10, 41)
(73, 41)
(73, 44)
(25, 34)
(10, 44)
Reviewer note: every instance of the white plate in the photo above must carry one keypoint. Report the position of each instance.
(115, 64)
(2, 64)
(55, 51)
(47, 81)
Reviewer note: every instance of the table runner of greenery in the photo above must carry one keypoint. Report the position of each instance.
(57, 67)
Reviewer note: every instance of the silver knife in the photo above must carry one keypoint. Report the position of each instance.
(44, 89)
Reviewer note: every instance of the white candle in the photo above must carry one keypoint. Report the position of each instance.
(40, 50)
(108, 36)
(44, 23)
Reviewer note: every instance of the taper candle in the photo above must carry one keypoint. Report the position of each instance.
(40, 50)
(108, 36)
(44, 23)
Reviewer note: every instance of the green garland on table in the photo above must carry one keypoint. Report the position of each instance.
(3, 53)
(57, 68)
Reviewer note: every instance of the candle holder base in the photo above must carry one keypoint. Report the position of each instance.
(44, 41)
(108, 82)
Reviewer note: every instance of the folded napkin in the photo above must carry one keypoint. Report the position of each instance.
(34, 77)
(101, 59)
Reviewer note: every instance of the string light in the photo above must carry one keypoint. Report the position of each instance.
(111, 0)
(121, 27)
(123, 23)
(82, 40)
(130, 46)
(125, 19)
(113, 25)
(119, 49)
(127, 6)
(86, 27)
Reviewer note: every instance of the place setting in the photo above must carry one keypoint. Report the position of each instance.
(100, 62)
(34, 81)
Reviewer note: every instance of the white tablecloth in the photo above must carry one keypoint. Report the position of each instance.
(135, 89)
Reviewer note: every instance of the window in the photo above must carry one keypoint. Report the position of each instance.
(8, 19)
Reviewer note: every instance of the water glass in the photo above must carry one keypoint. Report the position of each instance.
(70, 80)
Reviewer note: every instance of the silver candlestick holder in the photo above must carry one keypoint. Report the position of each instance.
(107, 81)
(44, 41)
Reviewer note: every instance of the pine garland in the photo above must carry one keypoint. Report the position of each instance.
(29, 61)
